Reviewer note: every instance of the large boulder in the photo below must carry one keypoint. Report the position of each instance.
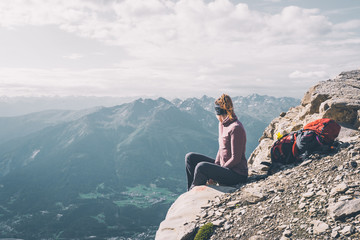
(337, 99)
(179, 222)
(344, 209)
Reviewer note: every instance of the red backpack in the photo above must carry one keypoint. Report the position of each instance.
(321, 132)
(326, 128)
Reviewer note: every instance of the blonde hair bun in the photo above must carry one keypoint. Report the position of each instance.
(225, 102)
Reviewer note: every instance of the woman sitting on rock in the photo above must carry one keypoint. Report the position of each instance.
(230, 165)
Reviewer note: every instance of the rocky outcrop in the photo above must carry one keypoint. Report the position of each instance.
(338, 99)
(316, 199)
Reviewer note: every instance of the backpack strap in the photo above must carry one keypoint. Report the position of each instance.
(294, 148)
(319, 140)
(278, 143)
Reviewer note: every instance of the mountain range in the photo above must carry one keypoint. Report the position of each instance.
(109, 171)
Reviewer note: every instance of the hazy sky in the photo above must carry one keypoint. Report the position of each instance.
(184, 48)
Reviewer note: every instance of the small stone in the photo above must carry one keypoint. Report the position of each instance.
(319, 226)
(321, 193)
(272, 190)
(308, 194)
(344, 198)
(310, 187)
(338, 177)
(218, 222)
(348, 230)
(239, 211)
(276, 199)
(312, 210)
(232, 204)
(218, 213)
(203, 214)
(306, 162)
(257, 237)
(287, 233)
(227, 226)
(342, 187)
(302, 205)
(284, 238)
(330, 178)
(303, 226)
(271, 215)
(211, 213)
(282, 227)
(349, 191)
(334, 234)
(254, 195)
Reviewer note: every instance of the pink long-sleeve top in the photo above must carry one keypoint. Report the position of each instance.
(232, 141)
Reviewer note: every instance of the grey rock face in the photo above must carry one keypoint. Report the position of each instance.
(338, 99)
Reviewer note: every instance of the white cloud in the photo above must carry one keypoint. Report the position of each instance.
(317, 74)
(41, 12)
(177, 45)
(274, 1)
(349, 25)
(299, 25)
(154, 22)
(73, 56)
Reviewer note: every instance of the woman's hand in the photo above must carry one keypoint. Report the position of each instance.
(211, 182)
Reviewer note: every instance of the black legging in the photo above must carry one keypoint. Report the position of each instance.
(200, 168)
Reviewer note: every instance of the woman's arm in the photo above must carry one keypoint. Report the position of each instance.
(217, 159)
(237, 143)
